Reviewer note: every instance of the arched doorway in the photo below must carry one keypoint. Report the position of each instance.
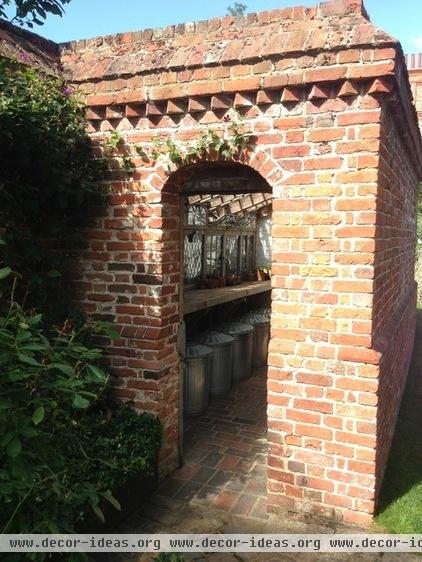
(224, 214)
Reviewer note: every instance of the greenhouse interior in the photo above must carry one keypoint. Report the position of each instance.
(226, 291)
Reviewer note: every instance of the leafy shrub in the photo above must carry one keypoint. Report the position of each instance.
(118, 444)
(45, 382)
(60, 457)
(48, 181)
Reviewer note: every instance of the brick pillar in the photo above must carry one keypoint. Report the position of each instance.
(323, 370)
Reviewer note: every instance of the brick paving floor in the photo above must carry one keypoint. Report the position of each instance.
(221, 487)
(225, 453)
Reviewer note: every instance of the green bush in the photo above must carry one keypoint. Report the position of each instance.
(61, 456)
(63, 451)
(48, 180)
(45, 384)
(117, 443)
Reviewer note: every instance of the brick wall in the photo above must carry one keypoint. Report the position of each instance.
(394, 299)
(334, 129)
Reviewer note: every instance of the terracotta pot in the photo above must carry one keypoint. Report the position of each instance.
(229, 280)
(212, 283)
(261, 275)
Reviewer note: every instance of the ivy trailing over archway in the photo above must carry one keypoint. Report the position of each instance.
(227, 144)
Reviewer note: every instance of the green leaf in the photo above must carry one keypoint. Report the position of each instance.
(7, 437)
(23, 335)
(66, 369)
(34, 320)
(80, 402)
(38, 415)
(54, 273)
(14, 448)
(98, 512)
(5, 272)
(28, 359)
(4, 405)
(111, 499)
(97, 372)
(32, 347)
(28, 432)
(19, 374)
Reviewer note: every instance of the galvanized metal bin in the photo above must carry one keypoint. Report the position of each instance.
(264, 311)
(261, 337)
(242, 348)
(221, 361)
(196, 380)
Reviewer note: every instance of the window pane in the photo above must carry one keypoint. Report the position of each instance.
(243, 254)
(193, 256)
(251, 254)
(232, 251)
(213, 255)
(196, 215)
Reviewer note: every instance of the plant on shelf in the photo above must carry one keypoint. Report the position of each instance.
(263, 271)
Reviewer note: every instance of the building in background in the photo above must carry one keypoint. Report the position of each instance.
(414, 66)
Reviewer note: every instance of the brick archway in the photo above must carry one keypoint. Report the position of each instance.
(259, 162)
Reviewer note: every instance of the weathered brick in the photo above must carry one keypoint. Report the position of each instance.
(344, 177)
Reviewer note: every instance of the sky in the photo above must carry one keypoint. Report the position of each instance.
(89, 18)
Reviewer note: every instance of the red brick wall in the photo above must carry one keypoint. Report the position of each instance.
(332, 127)
(321, 159)
(321, 155)
(321, 342)
(394, 286)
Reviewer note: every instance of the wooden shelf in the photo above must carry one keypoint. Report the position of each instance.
(200, 299)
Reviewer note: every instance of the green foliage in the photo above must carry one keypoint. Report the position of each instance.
(118, 443)
(28, 12)
(116, 151)
(237, 9)
(210, 145)
(63, 453)
(45, 381)
(48, 182)
(60, 455)
(400, 502)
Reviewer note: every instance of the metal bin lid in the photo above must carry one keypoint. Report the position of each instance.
(264, 311)
(255, 318)
(214, 338)
(196, 350)
(235, 328)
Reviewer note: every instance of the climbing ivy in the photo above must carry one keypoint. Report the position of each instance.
(211, 144)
